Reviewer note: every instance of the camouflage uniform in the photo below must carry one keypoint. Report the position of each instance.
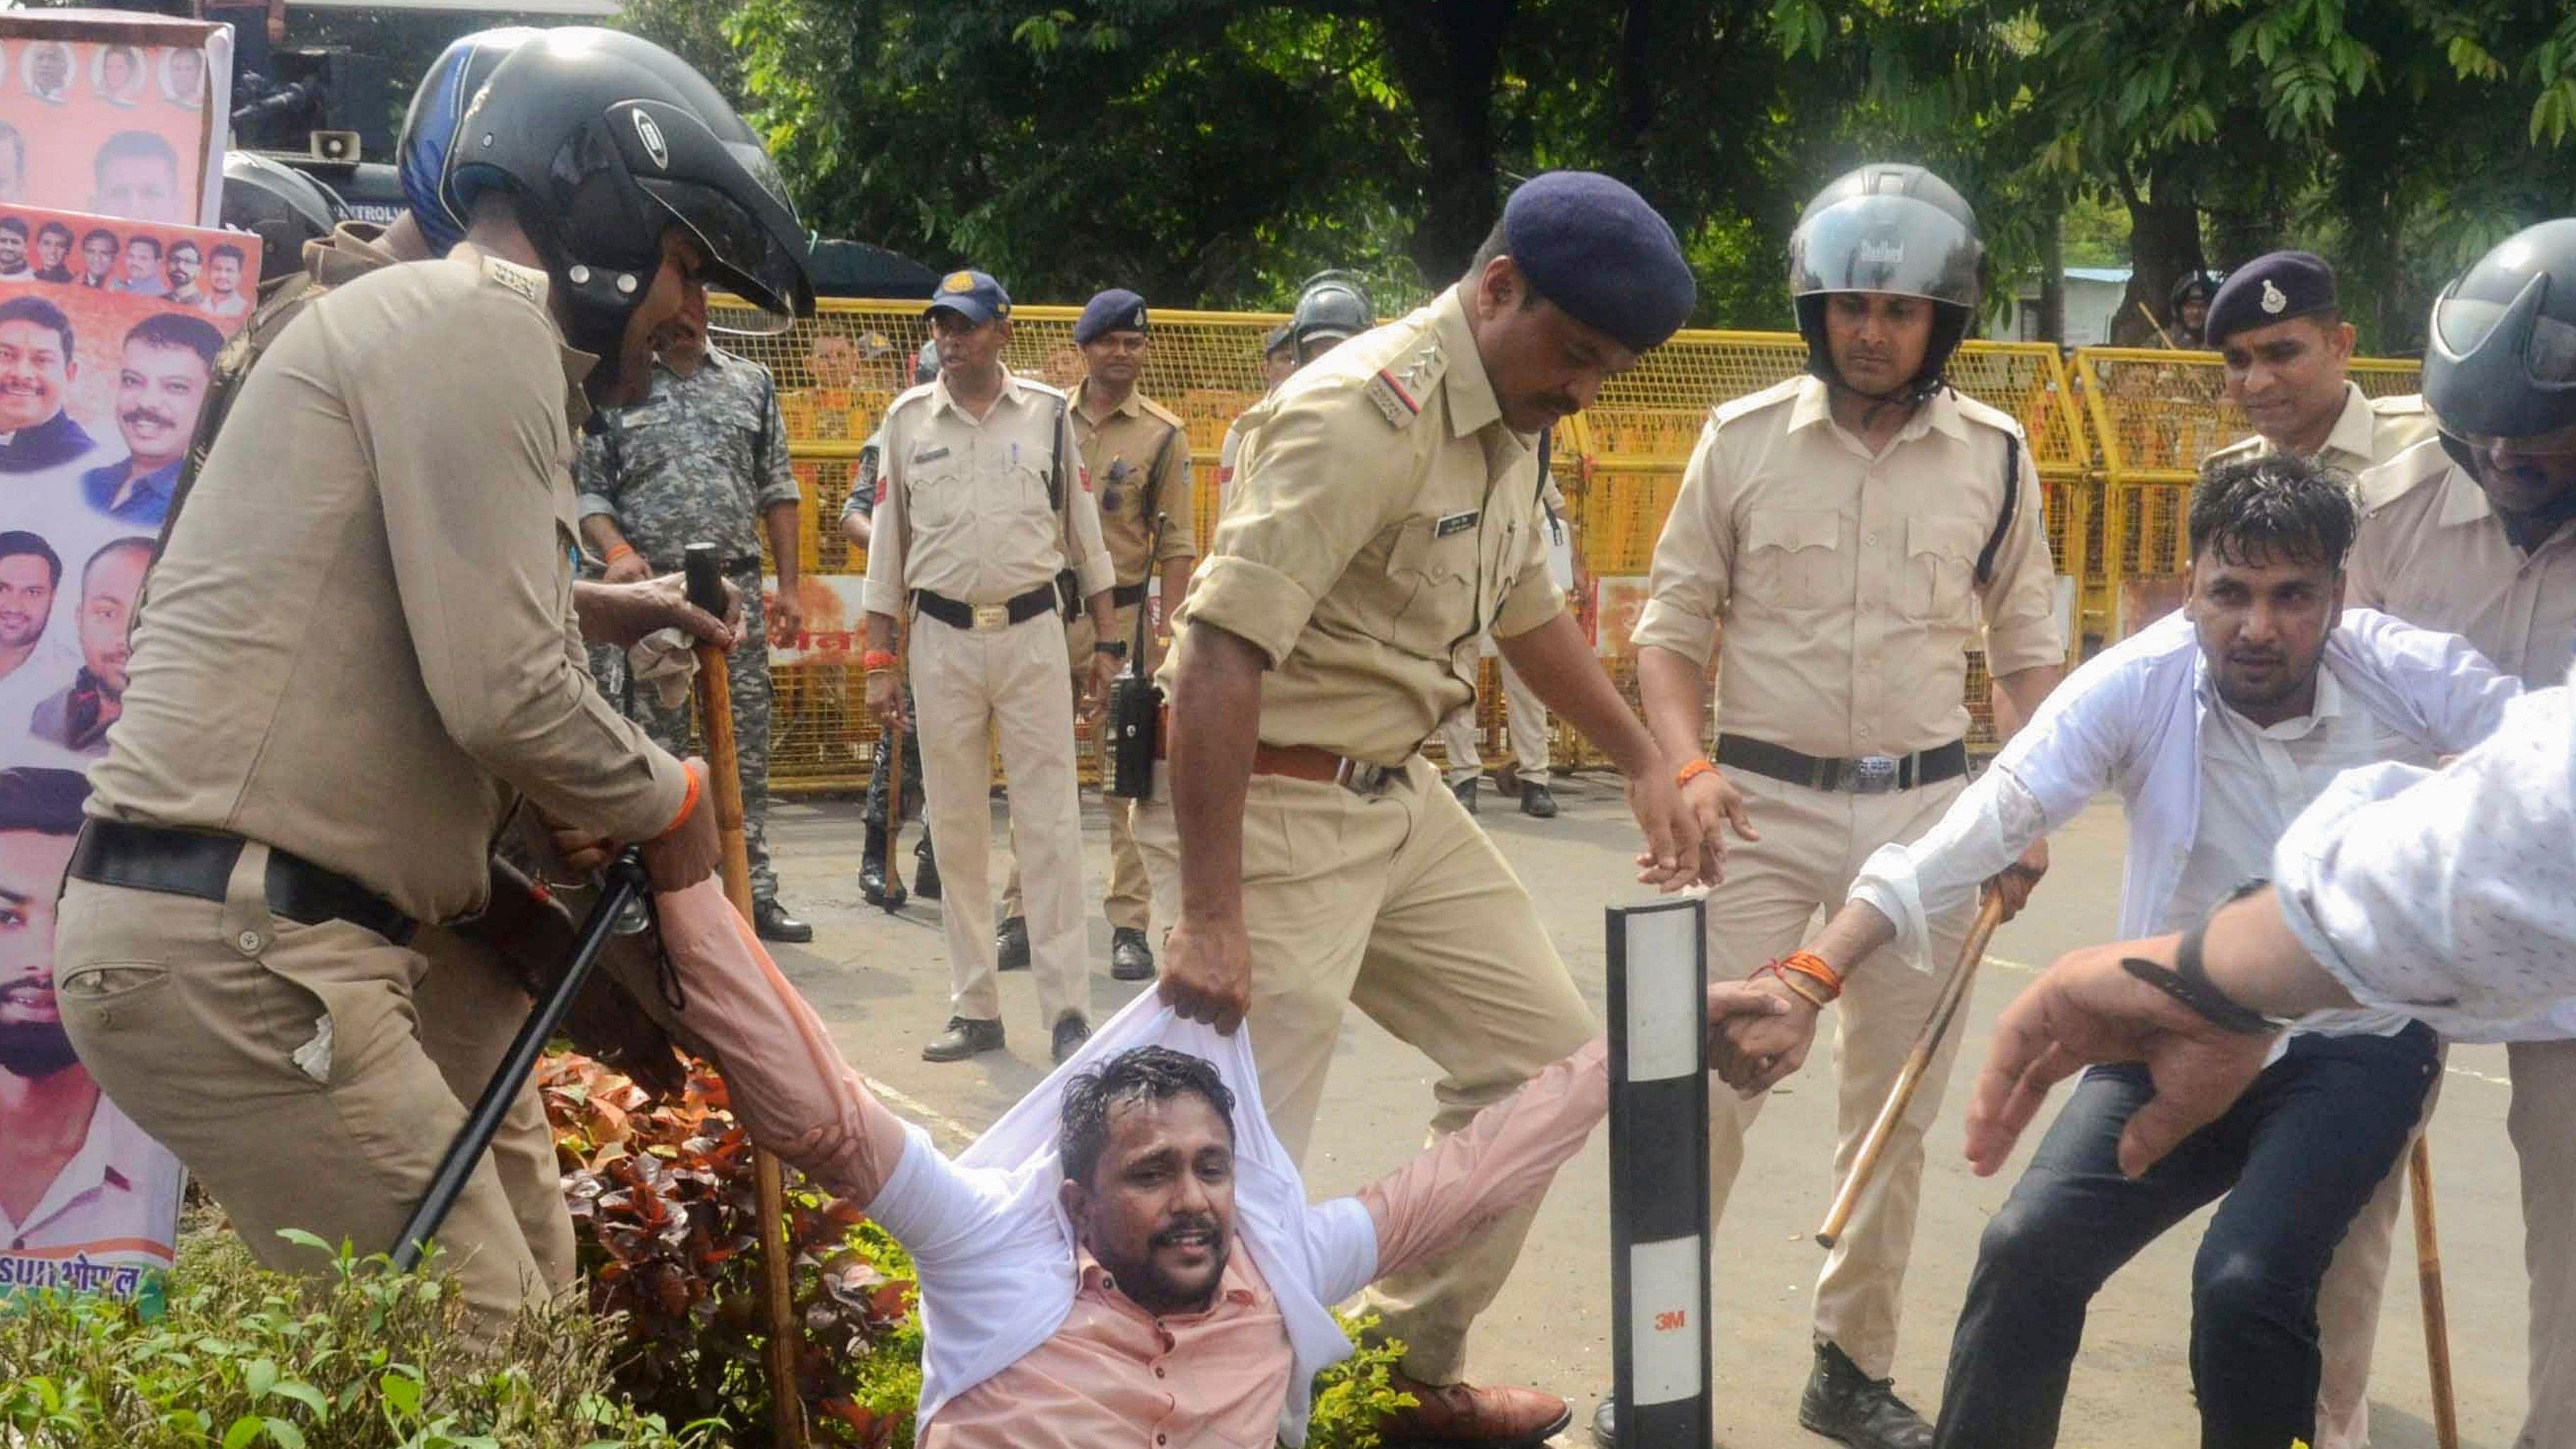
(702, 459)
(863, 502)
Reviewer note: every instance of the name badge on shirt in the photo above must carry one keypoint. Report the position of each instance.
(930, 455)
(1456, 523)
(641, 415)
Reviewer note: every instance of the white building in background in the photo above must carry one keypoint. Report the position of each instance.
(2092, 299)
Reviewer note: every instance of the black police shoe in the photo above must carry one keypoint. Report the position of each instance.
(1011, 944)
(1537, 801)
(964, 1038)
(1465, 790)
(1071, 1031)
(925, 872)
(872, 867)
(1843, 1403)
(772, 922)
(1130, 959)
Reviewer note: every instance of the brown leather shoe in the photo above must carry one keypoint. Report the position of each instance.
(1463, 1414)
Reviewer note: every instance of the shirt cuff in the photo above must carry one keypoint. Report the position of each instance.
(2035, 645)
(884, 598)
(769, 498)
(593, 505)
(1888, 885)
(1669, 626)
(1094, 572)
(1530, 605)
(1254, 602)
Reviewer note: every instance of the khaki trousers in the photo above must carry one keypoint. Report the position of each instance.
(969, 687)
(2348, 1299)
(1813, 842)
(1129, 904)
(1524, 719)
(2542, 1124)
(291, 1068)
(1396, 904)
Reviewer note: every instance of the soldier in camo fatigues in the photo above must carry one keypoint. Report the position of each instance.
(858, 513)
(704, 459)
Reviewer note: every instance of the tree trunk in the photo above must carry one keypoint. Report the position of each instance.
(1448, 54)
(2052, 283)
(2164, 243)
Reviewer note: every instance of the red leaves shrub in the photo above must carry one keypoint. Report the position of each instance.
(667, 1219)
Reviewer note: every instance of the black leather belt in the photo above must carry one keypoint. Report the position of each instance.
(1127, 596)
(1869, 775)
(200, 864)
(1018, 610)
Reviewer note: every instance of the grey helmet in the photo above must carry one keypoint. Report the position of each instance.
(2500, 357)
(1331, 306)
(925, 363)
(1896, 229)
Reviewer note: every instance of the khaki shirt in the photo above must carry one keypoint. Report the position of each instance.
(2435, 555)
(360, 645)
(1384, 517)
(1847, 583)
(2368, 432)
(962, 507)
(1139, 458)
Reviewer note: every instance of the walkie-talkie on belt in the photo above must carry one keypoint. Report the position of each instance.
(1136, 707)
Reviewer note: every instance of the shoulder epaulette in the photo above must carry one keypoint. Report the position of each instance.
(2422, 463)
(1162, 414)
(1754, 402)
(1987, 414)
(2403, 405)
(1398, 388)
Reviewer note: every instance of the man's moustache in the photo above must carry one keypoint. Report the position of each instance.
(137, 417)
(1189, 1227)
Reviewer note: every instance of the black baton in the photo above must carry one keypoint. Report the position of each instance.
(623, 885)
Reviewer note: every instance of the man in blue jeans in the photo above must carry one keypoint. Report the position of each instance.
(2216, 726)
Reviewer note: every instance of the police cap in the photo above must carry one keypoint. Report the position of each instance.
(2274, 287)
(972, 295)
(1116, 310)
(1593, 247)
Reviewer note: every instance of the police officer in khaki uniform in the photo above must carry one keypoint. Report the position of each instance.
(359, 653)
(2469, 533)
(1138, 455)
(1836, 541)
(1388, 513)
(982, 500)
(2279, 329)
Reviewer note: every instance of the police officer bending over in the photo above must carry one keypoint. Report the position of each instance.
(358, 655)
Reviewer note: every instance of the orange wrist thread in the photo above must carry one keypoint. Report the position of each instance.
(1692, 771)
(688, 806)
(1814, 968)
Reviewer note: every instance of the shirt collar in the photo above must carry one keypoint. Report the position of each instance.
(1232, 1287)
(93, 1169)
(1012, 392)
(2356, 428)
(2463, 501)
(1814, 405)
(2328, 705)
(1472, 404)
(1133, 407)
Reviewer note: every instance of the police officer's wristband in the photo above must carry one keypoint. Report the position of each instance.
(618, 551)
(1692, 771)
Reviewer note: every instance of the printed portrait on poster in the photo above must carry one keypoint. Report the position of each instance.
(118, 115)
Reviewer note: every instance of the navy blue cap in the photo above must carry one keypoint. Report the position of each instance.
(1116, 310)
(974, 296)
(2274, 287)
(1594, 247)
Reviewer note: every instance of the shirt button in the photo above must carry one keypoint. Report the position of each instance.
(1869, 538)
(1158, 1371)
(249, 940)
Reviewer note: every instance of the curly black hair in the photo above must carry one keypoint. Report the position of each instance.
(1139, 1074)
(2278, 507)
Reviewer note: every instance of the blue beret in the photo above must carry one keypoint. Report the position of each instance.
(974, 296)
(1116, 310)
(2274, 287)
(1594, 247)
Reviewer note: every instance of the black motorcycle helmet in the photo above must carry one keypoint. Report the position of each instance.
(2500, 360)
(605, 141)
(281, 206)
(1332, 307)
(1893, 228)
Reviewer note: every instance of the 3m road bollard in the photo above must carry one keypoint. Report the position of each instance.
(1659, 1174)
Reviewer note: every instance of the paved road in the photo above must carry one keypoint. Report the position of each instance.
(881, 982)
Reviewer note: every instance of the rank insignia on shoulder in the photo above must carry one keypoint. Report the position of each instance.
(1397, 404)
(1456, 523)
(526, 281)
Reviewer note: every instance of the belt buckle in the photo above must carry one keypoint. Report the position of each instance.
(1871, 775)
(990, 617)
(1359, 778)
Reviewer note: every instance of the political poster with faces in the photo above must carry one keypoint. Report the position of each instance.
(108, 335)
(119, 115)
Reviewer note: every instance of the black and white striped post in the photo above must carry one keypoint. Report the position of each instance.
(1658, 957)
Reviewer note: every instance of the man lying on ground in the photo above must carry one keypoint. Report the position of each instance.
(2217, 726)
(1080, 1279)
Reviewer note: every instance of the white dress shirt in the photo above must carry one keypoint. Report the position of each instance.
(2206, 791)
(2449, 896)
(110, 1214)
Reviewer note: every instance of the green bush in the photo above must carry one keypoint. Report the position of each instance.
(244, 1357)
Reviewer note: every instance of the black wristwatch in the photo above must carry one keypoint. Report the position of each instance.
(2187, 981)
(1114, 648)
